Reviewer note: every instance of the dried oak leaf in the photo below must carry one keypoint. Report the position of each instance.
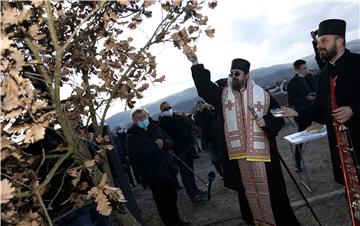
(37, 3)
(210, 32)
(103, 204)
(30, 219)
(177, 3)
(5, 43)
(76, 173)
(8, 216)
(9, 16)
(7, 191)
(148, 3)
(35, 133)
(10, 91)
(102, 193)
(34, 32)
(212, 4)
(89, 164)
(124, 2)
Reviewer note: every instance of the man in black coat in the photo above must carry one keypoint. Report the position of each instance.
(206, 120)
(177, 128)
(149, 148)
(301, 95)
(343, 67)
(258, 179)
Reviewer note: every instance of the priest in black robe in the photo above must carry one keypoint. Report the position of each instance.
(249, 163)
(343, 68)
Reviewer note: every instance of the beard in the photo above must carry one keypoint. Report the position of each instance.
(236, 85)
(328, 54)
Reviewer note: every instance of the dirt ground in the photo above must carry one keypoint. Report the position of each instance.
(327, 198)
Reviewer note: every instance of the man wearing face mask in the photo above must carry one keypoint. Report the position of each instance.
(301, 95)
(177, 128)
(149, 148)
(250, 165)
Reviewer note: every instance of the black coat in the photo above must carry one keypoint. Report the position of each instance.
(347, 68)
(154, 164)
(207, 122)
(177, 128)
(297, 93)
(211, 93)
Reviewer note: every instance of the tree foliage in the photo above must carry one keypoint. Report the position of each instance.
(85, 49)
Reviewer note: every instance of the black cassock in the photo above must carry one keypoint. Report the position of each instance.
(279, 200)
(347, 70)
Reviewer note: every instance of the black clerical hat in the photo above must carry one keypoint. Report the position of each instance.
(240, 64)
(332, 27)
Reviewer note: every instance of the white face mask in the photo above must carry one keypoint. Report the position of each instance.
(167, 113)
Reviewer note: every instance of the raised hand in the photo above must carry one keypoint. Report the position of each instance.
(192, 58)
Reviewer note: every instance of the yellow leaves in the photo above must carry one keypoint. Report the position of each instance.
(35, 133)
(210, 32)
(103, 193)
(7, 191)
(37, 3)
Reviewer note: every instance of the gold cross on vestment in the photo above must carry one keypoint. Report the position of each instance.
(229, 105)
(258, 106)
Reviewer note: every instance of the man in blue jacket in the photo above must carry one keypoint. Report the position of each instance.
(149, 148)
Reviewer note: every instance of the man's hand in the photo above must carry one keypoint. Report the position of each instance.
(192, 58)
(342, 114)
(313, 35)
(310, 97)
(159, 143)
(288, 112)
(260, 122)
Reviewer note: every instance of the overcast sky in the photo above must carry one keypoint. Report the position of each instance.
(263, 32)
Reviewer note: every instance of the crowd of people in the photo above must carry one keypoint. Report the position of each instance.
(234, 125)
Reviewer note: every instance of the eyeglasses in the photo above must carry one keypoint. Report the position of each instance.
(167, 108)
(234, 74)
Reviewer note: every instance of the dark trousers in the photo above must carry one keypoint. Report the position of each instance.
(165, 196)
(187, 177)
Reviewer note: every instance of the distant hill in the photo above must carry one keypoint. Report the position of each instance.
(184, 100)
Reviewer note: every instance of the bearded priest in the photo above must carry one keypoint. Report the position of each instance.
(250, 164)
